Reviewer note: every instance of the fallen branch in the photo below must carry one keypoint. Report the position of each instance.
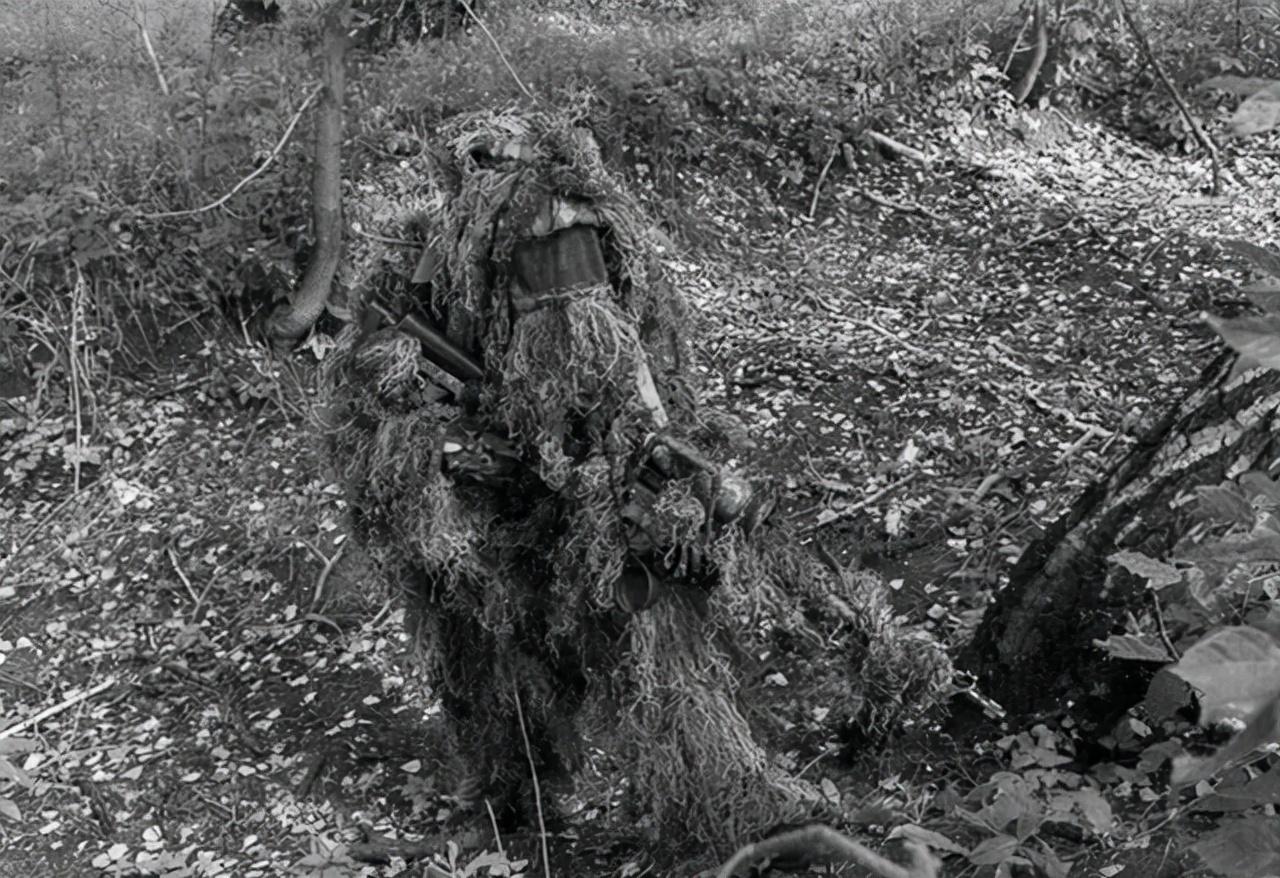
(19, 728)
(822, 843)
(1067, 415)
(903, 206)
(1047, 233)
(848, 511)
(381, 851)
(876, 327)
(1197, 130)
(896, 147)
(314, 769)
(1090, 432)
(284, 138)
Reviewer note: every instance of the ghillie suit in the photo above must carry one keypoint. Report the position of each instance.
(562, 560)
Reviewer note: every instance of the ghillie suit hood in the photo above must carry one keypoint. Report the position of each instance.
(538, 265)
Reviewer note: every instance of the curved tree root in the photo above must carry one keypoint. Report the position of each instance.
(818, 843)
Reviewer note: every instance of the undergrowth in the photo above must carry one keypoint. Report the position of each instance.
(101, 143)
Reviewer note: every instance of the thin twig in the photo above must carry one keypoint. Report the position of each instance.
(173, 559)
(497, 48)
(314, 770)
(493, 821)
(1035, 239)
(76, 377)
(533, 773)
(1197, 130)
(904, 206)
(1066, 415)
(271, 157)
(151, 52)
(1174, 814)
(1017, 42)
(318, 595)
(848, 511)
(18, 681)
(817, 187)
(1090, 432)
(18, 728)
(1164, 632)
(1153, 250)
(919, 352)
(404, 242)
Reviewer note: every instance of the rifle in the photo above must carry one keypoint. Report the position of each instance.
(472, 453)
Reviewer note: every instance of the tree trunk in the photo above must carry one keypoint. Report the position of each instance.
(387, 23)
(1034, 647)
(292, 322)
(1032, 74)
(239, 15)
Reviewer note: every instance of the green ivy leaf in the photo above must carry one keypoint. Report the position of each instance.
(9, 771)
(1261, 790)
(1258, 114)
(936, 840)
(1261, 258)
(1248, 848)
(1262, 729)
(1150, 759)
(1135, 647)
(1264, 548)
(1257, 338)
(1241, 86)
(1047, 862)
(994, 850)
(1157, 573)
(1225, 503)
(1236, 669)
(1265, 294)
(1089, 803)
(1259, 484)
(9, 746)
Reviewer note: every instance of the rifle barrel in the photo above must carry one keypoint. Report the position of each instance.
(435, 346)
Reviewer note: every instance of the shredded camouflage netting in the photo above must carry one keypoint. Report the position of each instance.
(511, 571)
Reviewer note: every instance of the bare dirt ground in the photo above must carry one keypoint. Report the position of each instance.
(931, 382)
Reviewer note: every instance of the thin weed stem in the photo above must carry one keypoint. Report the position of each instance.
(537, 789)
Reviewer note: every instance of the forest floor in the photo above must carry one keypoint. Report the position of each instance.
(208, 680)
